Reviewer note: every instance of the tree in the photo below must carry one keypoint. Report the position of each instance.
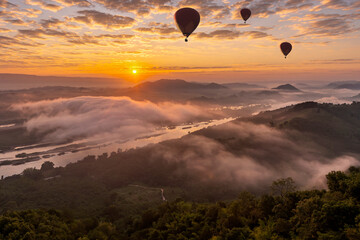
(283, 186)
(336, 181)
(32, 173)
(47, 166)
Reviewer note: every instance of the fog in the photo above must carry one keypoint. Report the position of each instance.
(242, 153)
(102, 118)
(251, 156)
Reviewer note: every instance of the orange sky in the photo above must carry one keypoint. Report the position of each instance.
(112, 38)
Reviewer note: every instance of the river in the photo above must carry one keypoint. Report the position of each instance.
(63, 154)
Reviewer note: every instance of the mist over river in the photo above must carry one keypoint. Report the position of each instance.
(63, 154)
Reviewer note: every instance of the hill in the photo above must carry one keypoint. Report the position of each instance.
(203, 175)
(21, 81)
(241, 85)
(176, 85)
(335, 127)
(354, 98)
(287, 87)
(243, 97)
(211, 163)
(352, 85)
(174, 90)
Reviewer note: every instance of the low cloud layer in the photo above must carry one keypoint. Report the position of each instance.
(117, 118)
(251, 156)
(241, 155)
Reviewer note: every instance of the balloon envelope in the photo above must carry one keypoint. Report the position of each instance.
(187, 20)
(285, 48)
(245, 13)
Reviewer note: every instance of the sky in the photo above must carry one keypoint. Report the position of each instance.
(136, 40)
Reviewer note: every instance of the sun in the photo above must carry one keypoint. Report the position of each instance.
(134, 71)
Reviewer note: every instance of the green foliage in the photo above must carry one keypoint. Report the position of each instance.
(265, 230)
(348, 184)
(32, 173)
(336, 181)
(289, 215)
(52, 224)
(46, 166)
(283, 186)
(129, 213)
(33, 224)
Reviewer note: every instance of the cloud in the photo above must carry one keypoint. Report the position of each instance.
(45, 5)
(207, 8)
(7, 4)
(89, 39)
(15, 21)
(6, 14)
(256, 34)
(264, 9)
(220, 34)
(31, 13)
(52, 22)
(19, 14)
(84, 39)
(232, 34)
(72, 37)
(333, 100)
(331, 26)
(241, 154)
(336, 61)
(93, 17)
(5, 30)
(8, 41)
(158, 28)
(334, 25)
(291, 6)
(262, 28)
(135, 15)
(80, 3)
(235, 25)
(117, 118)
(139, 7)
(39, 33)
(341, 4)
(250, 156)
(258, 8)
(161, 30)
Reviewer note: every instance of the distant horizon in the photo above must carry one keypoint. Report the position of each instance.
(109, 81)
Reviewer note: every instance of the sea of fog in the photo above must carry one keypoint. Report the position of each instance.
(87, 117)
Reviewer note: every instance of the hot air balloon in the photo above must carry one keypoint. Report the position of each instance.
(245, 14)
(187, 20)
(285, 48)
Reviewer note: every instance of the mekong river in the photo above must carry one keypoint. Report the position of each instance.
(64, 154)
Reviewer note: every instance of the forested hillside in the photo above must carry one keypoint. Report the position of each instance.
(284, 214)
(216, 182)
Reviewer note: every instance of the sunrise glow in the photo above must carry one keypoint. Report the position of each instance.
(98, 37)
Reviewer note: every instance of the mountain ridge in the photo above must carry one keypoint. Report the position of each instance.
(352, 85)
(176, 84)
